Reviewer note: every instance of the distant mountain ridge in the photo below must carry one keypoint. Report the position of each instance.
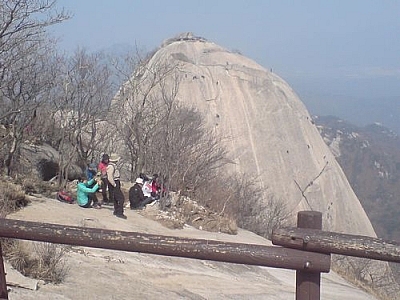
(370, 158)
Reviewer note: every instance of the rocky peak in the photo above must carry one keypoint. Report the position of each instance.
(184, 36)
(266, 127)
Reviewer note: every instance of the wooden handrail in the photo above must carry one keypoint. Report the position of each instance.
(337, 243)
(249, 254)
(305, 248)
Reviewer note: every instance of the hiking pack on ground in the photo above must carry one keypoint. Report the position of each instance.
(64, 196)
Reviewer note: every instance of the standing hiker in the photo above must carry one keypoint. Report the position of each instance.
(102, 168)
(114, 186)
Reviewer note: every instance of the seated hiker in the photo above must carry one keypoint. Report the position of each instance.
(91, 173)
(146, 187)
(144, 177)
(86, 192)
(136, 197)
(156, 187)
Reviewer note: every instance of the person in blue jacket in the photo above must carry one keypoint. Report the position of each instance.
(86, 192)
(91, 171)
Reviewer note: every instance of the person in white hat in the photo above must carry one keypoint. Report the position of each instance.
(114, 186)
(136, 196)
(137, 199)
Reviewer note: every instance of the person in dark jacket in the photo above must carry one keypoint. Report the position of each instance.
(114, 186)
(136, 196)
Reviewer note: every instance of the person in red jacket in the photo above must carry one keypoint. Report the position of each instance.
(102, 168)
(156, 187)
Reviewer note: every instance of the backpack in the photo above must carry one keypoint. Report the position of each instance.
(63, 196)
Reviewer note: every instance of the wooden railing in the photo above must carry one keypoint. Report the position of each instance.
(306, 248)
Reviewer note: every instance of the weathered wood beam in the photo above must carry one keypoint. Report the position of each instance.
(250, 254)
(308, 284)
(337, 243)
(3, 284)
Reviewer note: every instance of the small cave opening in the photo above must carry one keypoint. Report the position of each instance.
(47, 169)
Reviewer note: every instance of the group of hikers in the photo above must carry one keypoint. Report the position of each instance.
(106, 176)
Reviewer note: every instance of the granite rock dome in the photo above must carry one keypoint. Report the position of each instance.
(267, 129)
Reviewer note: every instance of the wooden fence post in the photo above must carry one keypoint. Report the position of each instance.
(3, 283)
(308, 283)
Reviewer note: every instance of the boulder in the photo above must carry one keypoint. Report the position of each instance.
(42, 161)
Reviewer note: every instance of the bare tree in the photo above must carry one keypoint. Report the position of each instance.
(138, 107)
(186, 151)
(23, 94)
(80, 106)
(23, 22)
(160, 134)
(24, 52)
(90, 86)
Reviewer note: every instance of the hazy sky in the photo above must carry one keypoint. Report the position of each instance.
(342, 57)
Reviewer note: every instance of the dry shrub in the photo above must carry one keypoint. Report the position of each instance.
(12, 197)
(16, 254)
(371, 275)
(13, 192)
(49, 262)
(44, 261)
(258, 211)
(39, 260)
(182, 210)
(34, 185)
(204, 218)
(266, 216)
(241, 198)
(228, 201)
